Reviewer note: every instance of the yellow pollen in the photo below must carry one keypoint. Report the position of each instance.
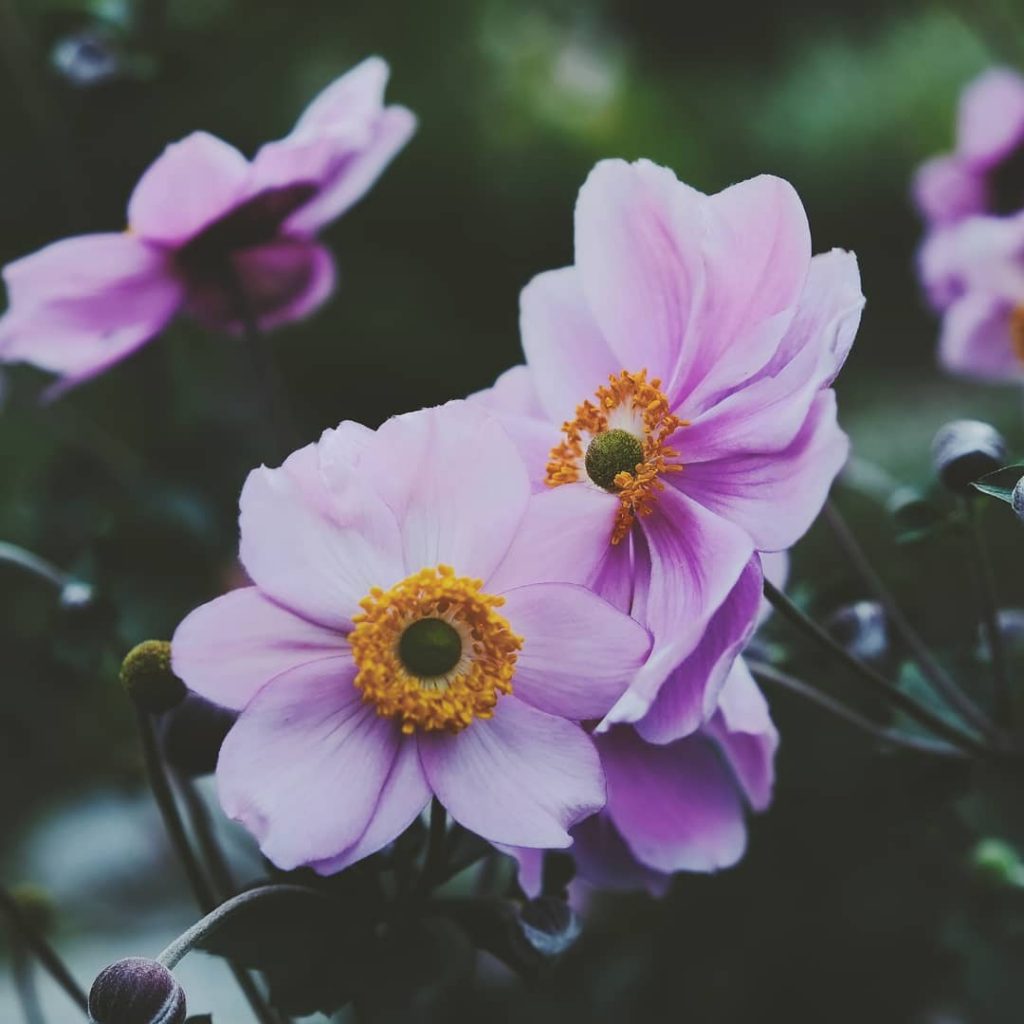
(450, 701)
(636, 396)
(1017, 332)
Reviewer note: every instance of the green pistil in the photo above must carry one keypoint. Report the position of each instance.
(612, 453)
(430, 647)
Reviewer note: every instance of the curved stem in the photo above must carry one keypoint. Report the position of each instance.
(202, 828)
(25, 983)
(175, 828)
(921, 714)
(945, 685)
(989, 613)
(262, 359)
(188, 940)
(42, 950)
(38, 566)
(892, 737)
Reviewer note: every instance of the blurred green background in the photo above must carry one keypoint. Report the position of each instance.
(855, 901)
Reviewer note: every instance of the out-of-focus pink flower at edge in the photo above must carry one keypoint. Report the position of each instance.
(202, 220)
(971, 262)
(719, 299)
(319, 767)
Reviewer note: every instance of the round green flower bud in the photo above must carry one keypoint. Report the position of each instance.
(612, 453)
(430, 647)
(136, 991)
(147, 675)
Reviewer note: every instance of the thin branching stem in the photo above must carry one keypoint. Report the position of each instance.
(867, 675)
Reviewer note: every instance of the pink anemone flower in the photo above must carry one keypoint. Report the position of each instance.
(402, 639)
(676, 414)
(210, 234)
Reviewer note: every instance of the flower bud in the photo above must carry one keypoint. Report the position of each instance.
(86, 58)
(1017, 499)
(35, 906)
(549, 925)
(964, 450)
(147, 675)
(193, 733)
(862, 629)
(76, 595)
(136, 991)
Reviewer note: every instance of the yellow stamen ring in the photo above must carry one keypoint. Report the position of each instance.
(629, 397)
(450, 701)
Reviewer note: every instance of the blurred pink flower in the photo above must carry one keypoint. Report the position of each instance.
(204, 223)
(370, 675)
(985, 172)
(974, 273)
(689, 354)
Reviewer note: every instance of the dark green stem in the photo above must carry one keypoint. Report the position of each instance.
(202, 828)
(175, 828)
(891, 737)
(25, 983)
(896, 697)
(989, 614)
(945, 685)
(42, 950)
(437, 848)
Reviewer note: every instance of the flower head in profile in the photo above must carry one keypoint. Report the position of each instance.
(676, 412)
(402, 639)
(984, 174)
(210, 234)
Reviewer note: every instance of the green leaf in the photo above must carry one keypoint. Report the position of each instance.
(1000, 484)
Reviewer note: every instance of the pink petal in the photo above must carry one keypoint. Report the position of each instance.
(947, 190)
(579, 653)
(190, 185)
(693, 558)
(775, 496)
(690, 695)
(78, 306)
(638, 232)
(567, 356)
(756, 248)
(455, 483)
(676, 806)
(746, 735)
(766, 413)
(564, 537)
(523, 778)
(513, 393)
(353, 98)
(976, 339)
(283, 281)
(304, 766)
(604, 860)
(313, 551)
(991, 122)
(402, 799)
(228, 649)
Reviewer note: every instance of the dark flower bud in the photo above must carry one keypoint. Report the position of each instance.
(86, 58)
(136, 991)
(193, 733)
(862, 629)
(76, 595)
(35, 906)
(964, 450)
(147, 675)
(1017, 499)
(549, 925)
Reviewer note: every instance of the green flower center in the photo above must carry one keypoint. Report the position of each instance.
(611, 453)
(429, 648)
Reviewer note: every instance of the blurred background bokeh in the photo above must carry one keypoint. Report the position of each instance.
(856, 900)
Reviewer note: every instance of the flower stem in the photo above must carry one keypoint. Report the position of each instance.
(25, 982)
(434, 865)
(202, 828)
(989, 614)
(39, 567)
(905, 703)
(175, 828)
(941, 680)
(264, 366)
(892, 737)
(42, 950)
(187, 941)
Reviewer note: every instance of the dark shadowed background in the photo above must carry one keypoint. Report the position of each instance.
(856, 900)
